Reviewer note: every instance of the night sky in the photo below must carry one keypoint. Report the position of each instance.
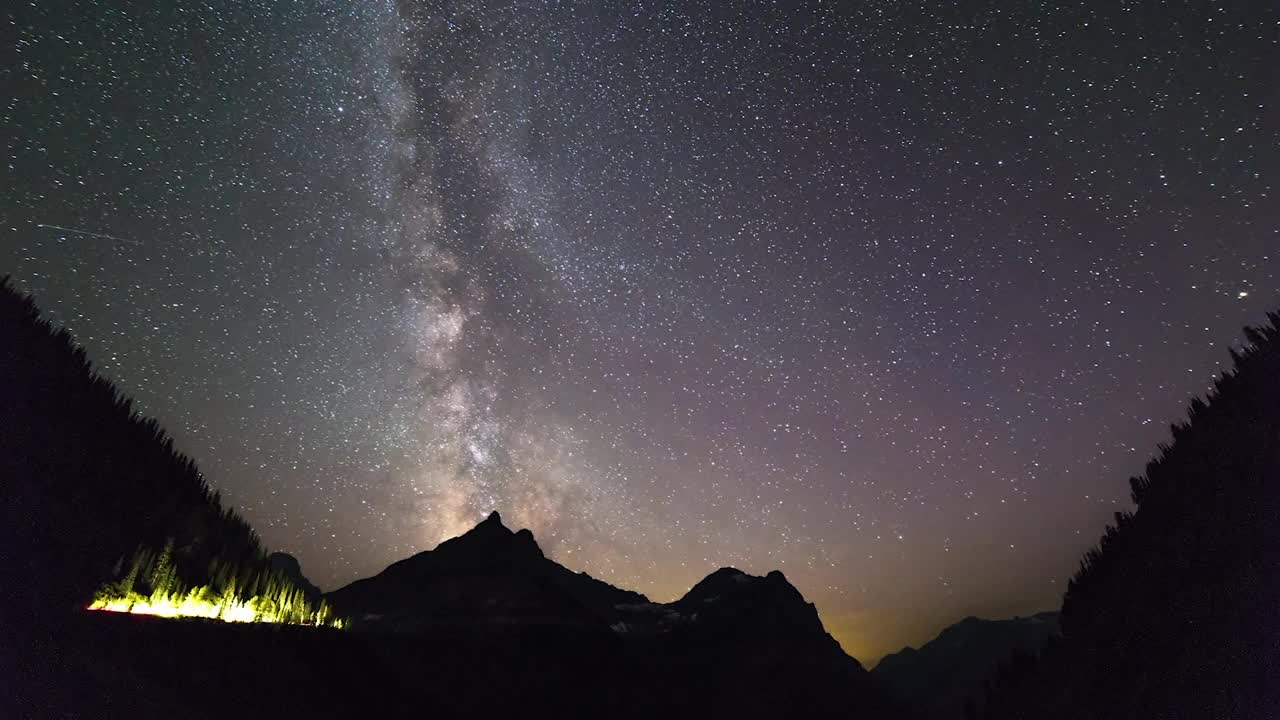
(888, 296)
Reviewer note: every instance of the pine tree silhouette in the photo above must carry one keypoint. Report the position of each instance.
(1176, 614)
(86, 481)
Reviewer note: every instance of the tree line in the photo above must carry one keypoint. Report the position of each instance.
(1176, 612)
(90, 487)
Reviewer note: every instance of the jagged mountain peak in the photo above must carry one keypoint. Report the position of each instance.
(488, 571)
(492, 525)
(489, 541)
(729, 581)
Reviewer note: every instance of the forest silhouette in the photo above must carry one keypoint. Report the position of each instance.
(96, 494)
(1173, 615)
(1176, 613)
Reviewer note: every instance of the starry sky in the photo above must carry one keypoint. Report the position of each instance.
(891, 296)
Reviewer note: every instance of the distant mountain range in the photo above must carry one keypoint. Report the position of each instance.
(734, 644)
(938, 677)
(731, 631)
(494, 575)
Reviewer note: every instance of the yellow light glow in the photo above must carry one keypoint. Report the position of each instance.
(227, 609)
(274, 598)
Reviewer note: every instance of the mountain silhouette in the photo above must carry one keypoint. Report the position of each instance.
(289, 566)
(483, 615)
(738, 612)
(731, 632)
(492, 574)
(943, 673)
(488, 574)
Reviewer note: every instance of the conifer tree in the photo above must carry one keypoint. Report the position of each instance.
(1176, 613)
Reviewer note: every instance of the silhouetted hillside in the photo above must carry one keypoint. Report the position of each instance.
(943, 673)
(1177, 613)
(99, 506)
(88, 481)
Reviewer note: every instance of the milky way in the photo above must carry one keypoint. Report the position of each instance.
(892, 299)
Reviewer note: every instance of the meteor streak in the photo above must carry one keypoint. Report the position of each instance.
(104, 236)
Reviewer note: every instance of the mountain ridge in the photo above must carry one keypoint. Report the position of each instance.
(489, 572)
(491, 557)
(940, 675)
(731, 630)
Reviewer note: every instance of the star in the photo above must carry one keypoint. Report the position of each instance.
(810, 288)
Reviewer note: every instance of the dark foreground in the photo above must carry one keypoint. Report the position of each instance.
(106, 665)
